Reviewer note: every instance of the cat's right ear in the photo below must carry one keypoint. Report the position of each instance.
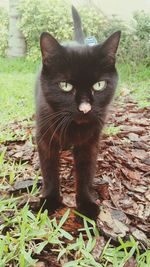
(110, 46)
(49, 46)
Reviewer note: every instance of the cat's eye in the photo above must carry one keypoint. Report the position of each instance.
(99, 86)
(67, 87)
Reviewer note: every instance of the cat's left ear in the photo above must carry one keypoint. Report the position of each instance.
(110, 46)
(49, 46)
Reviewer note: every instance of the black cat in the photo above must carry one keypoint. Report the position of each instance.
(74, 88)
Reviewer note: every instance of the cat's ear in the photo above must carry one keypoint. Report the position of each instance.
(49, 46)
(110, 46)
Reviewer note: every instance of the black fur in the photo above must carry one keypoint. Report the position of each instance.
(78, 33)
(60, 123)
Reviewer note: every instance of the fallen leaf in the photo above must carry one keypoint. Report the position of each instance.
(69, 199)
(116, 227)
(131, 263)
(39, 264)
(103, 190)
(132, 129)
(120, 227)
(146, 160)
(133, 137)
(141, 145)
(18, 155)
(139, 235)
(131, 175)
(24, 185)
(105, 216)
(139, 153)
(98, 248)
(147, 195)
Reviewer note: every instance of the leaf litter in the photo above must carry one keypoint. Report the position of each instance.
(122, 182)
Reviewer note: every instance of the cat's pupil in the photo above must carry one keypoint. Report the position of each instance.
(67, 87)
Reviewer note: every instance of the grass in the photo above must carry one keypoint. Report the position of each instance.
(29, 234)
(17, 80)
(112, 130)
(24, 234)
(137, 80)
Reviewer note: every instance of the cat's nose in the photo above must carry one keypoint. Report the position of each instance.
(85, 107)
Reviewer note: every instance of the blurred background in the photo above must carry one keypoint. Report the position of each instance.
(119, 7)
(22, 21)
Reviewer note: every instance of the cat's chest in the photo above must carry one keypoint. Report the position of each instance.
(77, 135)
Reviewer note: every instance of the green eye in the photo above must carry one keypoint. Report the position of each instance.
(67, 87)
(99, 86)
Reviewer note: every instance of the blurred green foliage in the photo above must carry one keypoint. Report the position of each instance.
(55, 17)
(3, 31)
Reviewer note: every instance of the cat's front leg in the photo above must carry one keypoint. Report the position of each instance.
(49, 161)
(85, 165)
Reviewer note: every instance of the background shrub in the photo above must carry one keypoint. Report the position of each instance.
(141, 37)
(3, 32)
(47, 15)
(55, 17)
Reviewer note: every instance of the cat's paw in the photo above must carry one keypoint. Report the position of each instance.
(51, 203)
(89, 208)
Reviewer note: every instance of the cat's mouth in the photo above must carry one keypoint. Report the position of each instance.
(82, 119)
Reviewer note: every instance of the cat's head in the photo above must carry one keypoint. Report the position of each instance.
(79, 79)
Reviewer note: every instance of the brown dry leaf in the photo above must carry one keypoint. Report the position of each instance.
(23, 185)
(132, 129)
(139, 153)
(115, 197)
(126, 202)
(140, 189)
(138, 197)
(141, 145)
(18, 155)
(143, 167)
(146, 213)
(71, 224)
(120, 153)
(63, 260)
(146, 160)
(131, 263)
(131, 175)
(23, 152)
(147, 195)
(140, 210)
(120, 227)
(133, 137)
(69, 200)
(39, 264)
(130, 187)
(140, 121)
(139, 235)
(105, 216)
(120, 216)
(103, 191)
(99, 246)
(145, 138)
(67, 156)
(144, 228)
(115, 226)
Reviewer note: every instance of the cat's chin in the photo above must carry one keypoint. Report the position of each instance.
(82, 121)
